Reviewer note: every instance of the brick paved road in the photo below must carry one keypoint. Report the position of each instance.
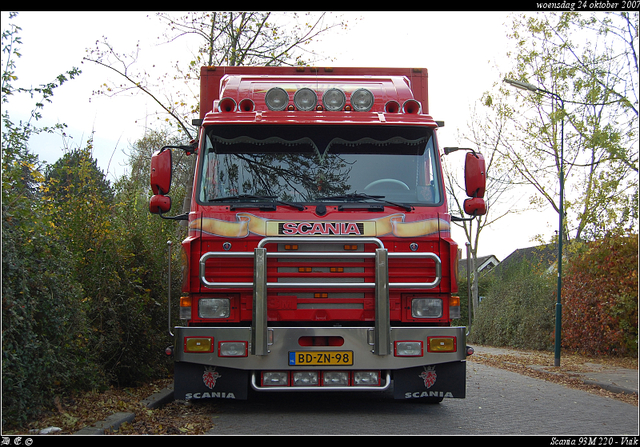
(510, 403)
(498, 402)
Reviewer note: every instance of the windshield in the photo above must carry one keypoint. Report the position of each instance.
(302, 164)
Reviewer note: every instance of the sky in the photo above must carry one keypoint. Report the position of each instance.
(464, 52)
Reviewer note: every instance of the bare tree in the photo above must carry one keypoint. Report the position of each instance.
(223, 38)
(227, 38)
(485, 133)
(251, 38)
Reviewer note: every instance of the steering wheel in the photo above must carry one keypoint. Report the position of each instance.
(386, 180)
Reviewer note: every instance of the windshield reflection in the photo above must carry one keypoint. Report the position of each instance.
(398, 164)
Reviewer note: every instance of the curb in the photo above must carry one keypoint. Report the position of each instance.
(609, 387)
(614, 388)
(615, 380)
(159, 399)
(111, 423)
(114, 421)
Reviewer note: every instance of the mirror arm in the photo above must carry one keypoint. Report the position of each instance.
(184, 216)
(188, 148)
(462, 219)
(448, 150)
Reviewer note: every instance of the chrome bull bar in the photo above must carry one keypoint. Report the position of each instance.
(259, 329)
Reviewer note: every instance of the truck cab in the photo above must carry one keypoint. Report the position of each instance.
(319, 255)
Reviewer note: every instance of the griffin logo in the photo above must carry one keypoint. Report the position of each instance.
(210, 376)
(429, 376)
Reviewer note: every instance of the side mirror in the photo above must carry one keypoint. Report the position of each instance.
(475, 184)
(160, 179)
(475, 181)
(475, 175)
(475, 207)
(161, 172)
(159, 204)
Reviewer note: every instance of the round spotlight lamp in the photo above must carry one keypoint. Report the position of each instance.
(362, 100)
(334, 99)
(305, 99)
(277, 99)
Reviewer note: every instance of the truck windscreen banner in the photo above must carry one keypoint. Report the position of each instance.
(246, 224)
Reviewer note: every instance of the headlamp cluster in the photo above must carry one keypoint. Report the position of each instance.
(306, 99)
(333, 100)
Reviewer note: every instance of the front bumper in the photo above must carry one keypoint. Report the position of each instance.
(212, 375)
(281, 341)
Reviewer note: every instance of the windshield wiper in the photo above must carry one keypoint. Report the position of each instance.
(252, 197)
(359, 196)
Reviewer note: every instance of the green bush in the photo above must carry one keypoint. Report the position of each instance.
(45, 337)
(484, 283)
(118, 255)
(84, 282)
(83, 267)
(518, 310)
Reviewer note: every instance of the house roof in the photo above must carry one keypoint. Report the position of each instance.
(543, 255)
(484, 264)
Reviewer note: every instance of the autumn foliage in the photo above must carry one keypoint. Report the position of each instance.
(600, 298)
(599, 301)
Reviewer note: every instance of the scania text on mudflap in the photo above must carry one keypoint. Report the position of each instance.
(319, 254)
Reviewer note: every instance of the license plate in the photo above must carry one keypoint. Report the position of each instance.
(320, 358)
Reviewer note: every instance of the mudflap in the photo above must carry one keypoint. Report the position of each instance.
(434, 382)
(194, 381)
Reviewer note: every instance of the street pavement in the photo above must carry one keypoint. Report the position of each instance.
(611, 378)
(617, 380)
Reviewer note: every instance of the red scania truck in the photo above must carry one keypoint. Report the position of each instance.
(319, 255)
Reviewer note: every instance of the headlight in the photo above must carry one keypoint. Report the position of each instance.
(408, 349)
(305, 378)
(305, 99)
(362, 100)
(232, 349)
(441, 344)
(275, 378)
(214, 308)
(277, 99)
(366, 378)
(426, 308)
(334, 99)
(335, 378)
(198, 344)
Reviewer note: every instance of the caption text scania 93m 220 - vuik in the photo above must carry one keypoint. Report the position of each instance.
(319, 255)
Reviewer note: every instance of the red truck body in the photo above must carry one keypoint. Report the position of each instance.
(319, 255)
